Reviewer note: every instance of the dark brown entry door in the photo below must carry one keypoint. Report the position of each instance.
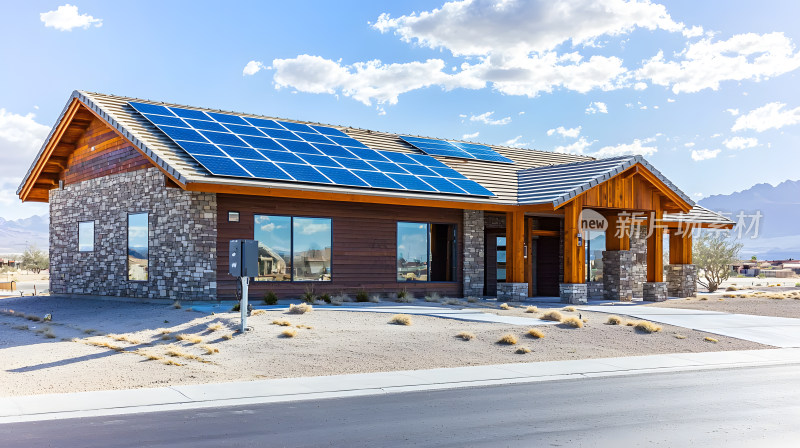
(547, 266)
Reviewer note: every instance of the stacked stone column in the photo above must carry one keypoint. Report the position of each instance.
(618, 275)
(474, 257)
(682, 280)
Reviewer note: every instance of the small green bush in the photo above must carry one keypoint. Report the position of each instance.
(270, 298)
(309, 296)
(325, 297)
(402, 294)
(797, 285)
(236, 307)
(362, 296)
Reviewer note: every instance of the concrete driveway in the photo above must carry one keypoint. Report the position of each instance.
(775, 331)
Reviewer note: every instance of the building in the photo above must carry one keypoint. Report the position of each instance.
(145, 196)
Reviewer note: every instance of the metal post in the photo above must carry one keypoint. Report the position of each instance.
(243, 303)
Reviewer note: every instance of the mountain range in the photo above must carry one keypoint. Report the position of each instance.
(17, 234)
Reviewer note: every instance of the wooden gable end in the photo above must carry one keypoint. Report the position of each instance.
(81, 147)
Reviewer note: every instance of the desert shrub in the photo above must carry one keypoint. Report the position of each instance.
(209, 349)
(400, 319)
(375, 298)
(236, 307)
(731, 288)
(614, 320)
(466, 335)
(405, 297)
(645, 326)
(216, 326)
(325, 297)
(176, 304)
(227, 336)
(521, 350)
(531, 309)
(433, 297)
(535, 333)
(270, 298)
(504, 306)
(258, 312)
(507, 339)
(570, 309)
(552, 315)
(709, 339)
(362, 296)
(473, 299)
(282, 323)
(572, 321)
(301, 308)
(289, 333)
(403, 293)
(309, 296)
(190, 338)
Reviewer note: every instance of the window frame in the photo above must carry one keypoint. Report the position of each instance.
(291, 248)
(238, 216)
(128, 245)
(94, 237)
(456, 253)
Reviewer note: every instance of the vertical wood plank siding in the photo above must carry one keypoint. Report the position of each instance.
(111, 155)
(364, 239)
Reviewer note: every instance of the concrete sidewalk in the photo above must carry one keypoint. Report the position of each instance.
(91, 404)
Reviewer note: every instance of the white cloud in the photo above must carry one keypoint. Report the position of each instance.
(66, 18)
(486, 118)
(516, 143)
(704, 154)
(252, 68)
(597, 108)
(640, 86)
(564, 132)
(706, 63)
(768, 116)
(637, 147)
(470, 136)
(521, 113)
(689, 145)
(717, 135)
(740, 143)
(670, 100)
(733, 112)
(21, 137)
(578, 147)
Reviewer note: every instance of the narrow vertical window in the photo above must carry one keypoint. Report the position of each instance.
(274, 236)
(138, 247)
(412, 251)
(595, 245)
(312, 249)
(86, 236)
(501, 259)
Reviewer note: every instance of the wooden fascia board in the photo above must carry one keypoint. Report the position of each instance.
(343, 197)
(61, 127)
(675, 225)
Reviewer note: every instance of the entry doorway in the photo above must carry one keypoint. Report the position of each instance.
(494, 262)
(545, 266)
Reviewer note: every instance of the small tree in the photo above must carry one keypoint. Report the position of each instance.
(35, 259)
(753, 258)
(713, 254)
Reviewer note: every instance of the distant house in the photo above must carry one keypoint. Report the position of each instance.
(145, 196)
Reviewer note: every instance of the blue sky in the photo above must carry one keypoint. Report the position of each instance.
(707, 91)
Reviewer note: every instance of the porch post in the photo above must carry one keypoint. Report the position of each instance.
(574, 289)
(617, 261)
(655, 290)
(515, 287)
(681, 273)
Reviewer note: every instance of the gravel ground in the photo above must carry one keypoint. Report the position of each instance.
(787, 306)
(339, 342)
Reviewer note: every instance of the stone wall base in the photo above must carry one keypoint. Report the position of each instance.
(574, 293)
(682, 280)
(655, 291)
(512, 292)
(618, 275)
(594, 290)
(474, 258)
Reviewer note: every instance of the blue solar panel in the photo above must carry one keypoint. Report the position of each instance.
(236, 146)
(455, 149)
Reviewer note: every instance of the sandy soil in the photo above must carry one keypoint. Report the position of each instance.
(780, 302)
(339, 342)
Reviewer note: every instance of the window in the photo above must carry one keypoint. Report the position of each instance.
(501, 259)
(86, 236)
(233, 216)
(595, 245)
(296, 249)
(138, 247)
(426, 252)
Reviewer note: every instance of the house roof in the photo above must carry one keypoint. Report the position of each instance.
(534, 177)
(700, 215)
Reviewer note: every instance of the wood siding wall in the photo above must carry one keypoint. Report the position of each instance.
(364, 240)
(111, 155)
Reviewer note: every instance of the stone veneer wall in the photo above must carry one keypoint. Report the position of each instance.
(474, 257)
(639, 251)
(182, 238)
(512, 292)
(617, 275)
(682, 280)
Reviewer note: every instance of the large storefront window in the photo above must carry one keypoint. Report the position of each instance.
(293, 249)
(138, 247)
(426, 252)
(595, 245)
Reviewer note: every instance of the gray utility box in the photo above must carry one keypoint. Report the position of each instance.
(243, 258)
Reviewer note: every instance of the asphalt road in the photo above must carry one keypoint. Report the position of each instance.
(749, 407)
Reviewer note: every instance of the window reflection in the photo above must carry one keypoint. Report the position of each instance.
(86, 236)
(312, 249)
(138, 247)
(412, 251)
(595, 245)
(274, 236)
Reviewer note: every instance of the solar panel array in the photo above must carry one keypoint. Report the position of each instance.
(240, 146)
(455, 149)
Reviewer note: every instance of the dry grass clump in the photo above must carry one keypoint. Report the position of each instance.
(375, 298)
(572, 321)
(508, 339)
(552, 315)
(304, 326)
(300, 308)
(209, 349)
(570, 309)
(710, 339)
(49, 334)
(282, 323)
(176, 304)
(258, 312)
(531, 309)
(227, 336)
(614, 320)
(170, 362)
(679, 336)
(176, 352)
(535, 333)
(521, 350)
(703, 298)
(190, 338)
(472, 299)
(728, 296)
(731, 288)
(433, 297)
(216, 326)
(400, 319)
(21, 327)
(645, 326)
(123, 338)
(107, 345)
(504, 306)
(466, 335)
(630, 323)
(289, 333)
